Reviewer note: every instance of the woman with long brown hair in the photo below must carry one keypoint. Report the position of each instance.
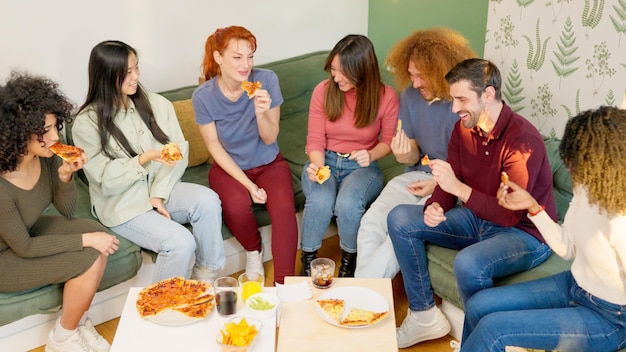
(352, 119)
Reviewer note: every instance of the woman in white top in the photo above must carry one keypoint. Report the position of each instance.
(582, 309)
(135, 192)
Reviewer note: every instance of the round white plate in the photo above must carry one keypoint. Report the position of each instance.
(354, 297)
(172, 317)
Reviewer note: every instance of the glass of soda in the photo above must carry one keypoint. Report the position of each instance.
(322, 272)
(226, 295)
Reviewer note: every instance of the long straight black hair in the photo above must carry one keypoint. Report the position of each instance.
(108, 67)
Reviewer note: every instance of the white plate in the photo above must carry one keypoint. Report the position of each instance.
(173, 317)
(354, 297)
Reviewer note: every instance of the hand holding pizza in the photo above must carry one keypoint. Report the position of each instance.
(262, 101)
(73, 159)
(513, 197)
(401, 145)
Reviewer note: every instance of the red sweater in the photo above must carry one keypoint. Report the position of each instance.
(515, 146)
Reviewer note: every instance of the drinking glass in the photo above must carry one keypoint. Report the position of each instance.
(322, 272)
(226, 295)
(250, 283)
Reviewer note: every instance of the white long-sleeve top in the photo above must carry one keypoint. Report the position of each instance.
(595, 241)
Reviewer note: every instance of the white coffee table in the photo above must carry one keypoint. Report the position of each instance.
(137, 334)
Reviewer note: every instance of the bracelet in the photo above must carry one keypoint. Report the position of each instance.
(541, 208)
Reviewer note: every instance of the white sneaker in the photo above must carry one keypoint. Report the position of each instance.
(412, 331)
(254, 262)
(204, 274)
(76, 343)
(456, 345)
(93, 338)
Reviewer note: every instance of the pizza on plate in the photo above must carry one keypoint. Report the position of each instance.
(251, 87)
(69, 153)
(171, 152)
(322, 174)
(333, 308)
(425, 160)
(358, 316)
(189, 297)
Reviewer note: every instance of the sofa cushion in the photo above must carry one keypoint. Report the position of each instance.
(198, 153)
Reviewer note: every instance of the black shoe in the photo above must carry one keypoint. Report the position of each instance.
(306, 258)
(348, 264)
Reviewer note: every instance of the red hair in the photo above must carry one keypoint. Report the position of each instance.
(218, 41)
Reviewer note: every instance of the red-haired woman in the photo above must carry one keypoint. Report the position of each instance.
(240, 132)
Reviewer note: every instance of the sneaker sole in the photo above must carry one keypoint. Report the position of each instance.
(430, 335)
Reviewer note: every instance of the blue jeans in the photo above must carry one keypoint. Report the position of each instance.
(487, 251)
(346, 194)
(552, 313)
(176, 247)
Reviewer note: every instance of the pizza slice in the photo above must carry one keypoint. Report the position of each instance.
(425, 160)
(333, 308)
(504, 177)
(69, 153)
(251, 87)
(171, 152)
(358, 316)
(322, 174)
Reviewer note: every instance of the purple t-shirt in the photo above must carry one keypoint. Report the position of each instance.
(236, 121)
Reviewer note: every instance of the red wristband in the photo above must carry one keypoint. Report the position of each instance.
(541, 208)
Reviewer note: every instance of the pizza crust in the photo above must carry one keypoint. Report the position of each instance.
(504, 177)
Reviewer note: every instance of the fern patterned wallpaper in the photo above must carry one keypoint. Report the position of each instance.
(558, 57)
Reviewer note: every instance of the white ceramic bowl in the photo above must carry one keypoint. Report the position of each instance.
(258, 313)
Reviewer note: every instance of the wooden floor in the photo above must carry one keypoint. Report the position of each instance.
(330, 249)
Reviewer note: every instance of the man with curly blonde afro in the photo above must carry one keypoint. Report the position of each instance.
(419, 63)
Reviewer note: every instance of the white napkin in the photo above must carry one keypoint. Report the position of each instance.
(294, 292)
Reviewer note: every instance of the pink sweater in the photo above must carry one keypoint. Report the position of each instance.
(341, 135)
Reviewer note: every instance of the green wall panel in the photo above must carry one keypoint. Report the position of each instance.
(392, 20)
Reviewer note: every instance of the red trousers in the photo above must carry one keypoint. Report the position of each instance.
(275, 179)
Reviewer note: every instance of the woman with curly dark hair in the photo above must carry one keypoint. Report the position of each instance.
(37, 250)
(582, 309)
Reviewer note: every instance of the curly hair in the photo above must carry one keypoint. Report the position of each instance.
(594, 150)
(434, 52)
(24, 102)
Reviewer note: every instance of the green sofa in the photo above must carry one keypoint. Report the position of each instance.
(298, 76)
